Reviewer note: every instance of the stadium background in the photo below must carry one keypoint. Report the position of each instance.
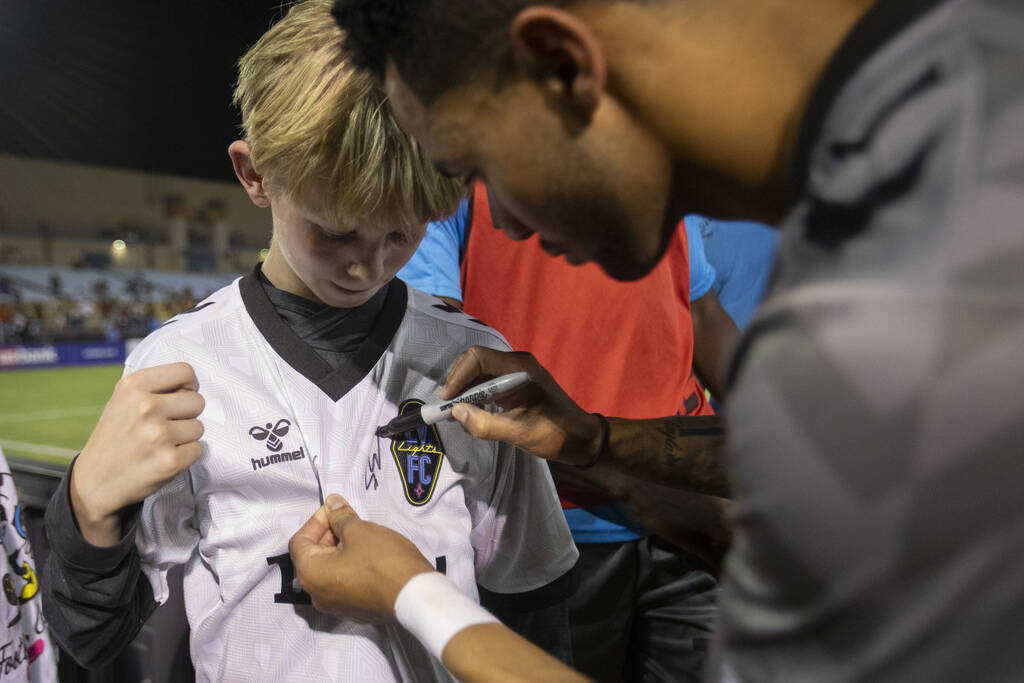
(118, 209)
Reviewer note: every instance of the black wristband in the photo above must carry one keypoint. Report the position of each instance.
(605, 429)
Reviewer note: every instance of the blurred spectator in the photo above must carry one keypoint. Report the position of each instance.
(138, 287)
(102, 318)
(8, 291)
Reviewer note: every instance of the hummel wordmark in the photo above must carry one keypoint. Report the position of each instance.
(259, 463)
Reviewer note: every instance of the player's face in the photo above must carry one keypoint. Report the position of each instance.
(340, 265)
(593, 192)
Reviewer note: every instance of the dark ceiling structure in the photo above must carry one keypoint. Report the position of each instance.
(139, 84)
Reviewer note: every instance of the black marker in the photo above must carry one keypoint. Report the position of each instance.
(432, 413)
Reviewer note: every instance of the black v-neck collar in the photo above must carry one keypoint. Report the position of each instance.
(333, 382)
(879, 24)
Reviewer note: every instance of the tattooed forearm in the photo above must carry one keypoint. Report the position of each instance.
(669, 472)
(693, 446)
(682, 452)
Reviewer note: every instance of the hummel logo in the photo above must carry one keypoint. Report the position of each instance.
(272, 434)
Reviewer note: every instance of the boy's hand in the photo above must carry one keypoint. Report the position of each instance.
(147, 434)
(351, 567)
(539, 418)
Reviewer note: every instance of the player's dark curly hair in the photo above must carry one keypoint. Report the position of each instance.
(435, 44)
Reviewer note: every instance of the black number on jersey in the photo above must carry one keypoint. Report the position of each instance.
(290, 593)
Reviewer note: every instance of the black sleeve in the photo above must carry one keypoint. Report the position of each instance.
(95, 599)
(541, 616)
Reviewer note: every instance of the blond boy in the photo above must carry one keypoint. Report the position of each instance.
(237, 418)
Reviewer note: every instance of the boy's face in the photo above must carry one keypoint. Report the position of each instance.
(341, 265)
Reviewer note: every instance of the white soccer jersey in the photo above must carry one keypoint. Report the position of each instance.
(283, 430)
(26, 652)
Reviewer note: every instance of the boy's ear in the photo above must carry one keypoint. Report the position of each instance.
(562, 54)
(252, 181)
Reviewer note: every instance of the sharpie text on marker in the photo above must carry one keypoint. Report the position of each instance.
(432, 413)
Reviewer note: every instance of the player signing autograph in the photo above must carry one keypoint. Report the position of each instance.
(235, 418)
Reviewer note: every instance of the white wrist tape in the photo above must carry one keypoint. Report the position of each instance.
(434, 610)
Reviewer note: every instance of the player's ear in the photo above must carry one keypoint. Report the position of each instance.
(562, 54)
(251, 180)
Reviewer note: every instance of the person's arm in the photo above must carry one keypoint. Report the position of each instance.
(148, 433)
(96, 596)
(678, 452)
(94, 599)
(348, 565)
(714, 336)
(491, 653)
(697, 522)
(714, 332)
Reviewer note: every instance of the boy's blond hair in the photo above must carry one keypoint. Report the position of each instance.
(323, 132)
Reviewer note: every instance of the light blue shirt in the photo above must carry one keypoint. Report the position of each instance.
(434, 268)
(741, 254)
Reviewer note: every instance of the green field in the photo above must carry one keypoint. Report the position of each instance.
(48, 414)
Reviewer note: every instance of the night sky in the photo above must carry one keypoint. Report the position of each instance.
(137, 84)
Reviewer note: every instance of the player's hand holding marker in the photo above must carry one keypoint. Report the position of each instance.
(148, 433)
(539, 418)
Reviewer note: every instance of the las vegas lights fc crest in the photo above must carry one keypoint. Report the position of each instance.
(419, 454)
